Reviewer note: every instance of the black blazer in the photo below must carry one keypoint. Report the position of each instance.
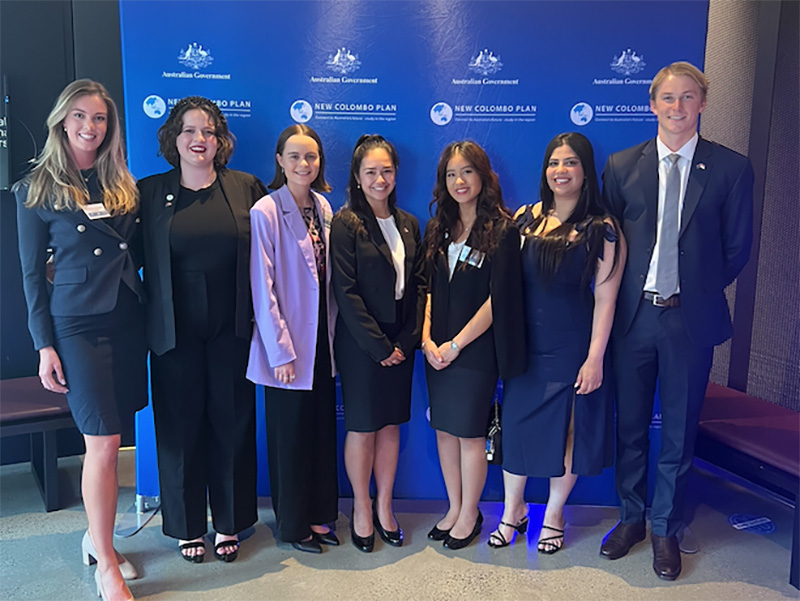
(715, 236)
(90, 259)
(159, 194)
(364, 280)
(454, 302)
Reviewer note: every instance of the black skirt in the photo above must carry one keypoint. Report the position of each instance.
(104, 360)
(461, 399)
(374, 396)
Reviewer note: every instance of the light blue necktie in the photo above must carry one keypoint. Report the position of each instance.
(667, 269)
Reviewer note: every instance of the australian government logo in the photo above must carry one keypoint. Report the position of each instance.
(195, 57)
(583, 113)
(443, 113)
(626, 64)
(485, 64)
(343, 63)
(303, 110)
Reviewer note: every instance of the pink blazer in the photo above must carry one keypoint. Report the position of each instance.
(284, 280)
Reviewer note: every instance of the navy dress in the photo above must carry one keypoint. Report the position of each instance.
(537, 404)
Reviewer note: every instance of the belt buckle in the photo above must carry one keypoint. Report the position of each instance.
(659, 301)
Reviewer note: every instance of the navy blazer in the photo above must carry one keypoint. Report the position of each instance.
(90, 259)
(455, 301)
(159, 195)
(715, 235)
(364, 281)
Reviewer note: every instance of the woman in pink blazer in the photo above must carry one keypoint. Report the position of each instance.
(291, 351)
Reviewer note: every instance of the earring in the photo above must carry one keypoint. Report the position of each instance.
(358, 186)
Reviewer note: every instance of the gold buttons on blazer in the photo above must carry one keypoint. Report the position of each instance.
(97, 252)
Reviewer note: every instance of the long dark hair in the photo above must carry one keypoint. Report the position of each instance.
(169, 132)
(587, 219)
(356, 200)
(299, 129)
(490, 207)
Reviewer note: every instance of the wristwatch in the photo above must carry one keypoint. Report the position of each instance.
(454, 346)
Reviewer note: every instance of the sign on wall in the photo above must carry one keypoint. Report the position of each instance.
(509, 75)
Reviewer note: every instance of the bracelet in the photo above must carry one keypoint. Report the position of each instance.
(424, 342)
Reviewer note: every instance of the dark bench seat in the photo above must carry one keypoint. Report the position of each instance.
(757, 440)
(27, 408)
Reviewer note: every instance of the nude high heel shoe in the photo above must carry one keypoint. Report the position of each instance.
(99, 583)
(90, 556)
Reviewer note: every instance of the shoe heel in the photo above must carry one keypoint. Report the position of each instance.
(523, 527)
(87, 550)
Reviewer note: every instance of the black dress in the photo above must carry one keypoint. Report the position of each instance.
(538, 403)
(94, 316)
(461, 394)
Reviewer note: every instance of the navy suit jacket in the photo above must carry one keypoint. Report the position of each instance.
(90, 259)
(159, 196)
(715, 234)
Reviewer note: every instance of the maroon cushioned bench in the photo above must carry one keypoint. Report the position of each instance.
(757, 440)
(27, 408)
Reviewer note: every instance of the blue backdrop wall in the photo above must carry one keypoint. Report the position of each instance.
(509, 75)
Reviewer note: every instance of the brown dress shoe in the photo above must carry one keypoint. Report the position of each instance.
(666, 556)
(622, 537)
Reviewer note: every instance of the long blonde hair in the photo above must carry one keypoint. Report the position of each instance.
(56, 182)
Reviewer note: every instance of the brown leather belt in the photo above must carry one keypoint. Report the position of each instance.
(660, 301)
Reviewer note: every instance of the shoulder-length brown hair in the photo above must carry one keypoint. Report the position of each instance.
(299, 129)
(56, 182)
(169, 132)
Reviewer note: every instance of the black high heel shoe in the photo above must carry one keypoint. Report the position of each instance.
(362, 543)
(459, 543)
(521, 528)
(392, 537)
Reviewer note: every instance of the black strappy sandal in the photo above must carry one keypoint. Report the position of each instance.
(550, 546)
(521, 527)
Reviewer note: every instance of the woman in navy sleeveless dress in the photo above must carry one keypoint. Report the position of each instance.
(558, 416)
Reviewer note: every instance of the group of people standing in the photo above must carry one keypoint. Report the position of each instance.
(245, 287)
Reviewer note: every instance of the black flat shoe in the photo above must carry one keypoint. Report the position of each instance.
(436, 534)
(327, 538)
(308, 546)
(196, 544)
(455, 544)
(226, 557)
(391, 537)
(364, 544)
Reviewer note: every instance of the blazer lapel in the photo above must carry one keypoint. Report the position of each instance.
(698, 176)
(376, 235)
(297, 226)
(237, 201)
(409, 244)
(647, 172)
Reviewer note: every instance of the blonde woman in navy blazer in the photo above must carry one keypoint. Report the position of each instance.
(197, 254)
(379, 281)
(81, 202)
(292, 349)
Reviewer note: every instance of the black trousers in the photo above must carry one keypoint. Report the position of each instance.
(205, 424)
(657, 349)
(301, 443)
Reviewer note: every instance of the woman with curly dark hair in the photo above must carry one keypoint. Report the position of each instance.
(557, 418)
(474, 303)
(197, 257)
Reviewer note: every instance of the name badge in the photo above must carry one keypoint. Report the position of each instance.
(471, 256)
(96, 210)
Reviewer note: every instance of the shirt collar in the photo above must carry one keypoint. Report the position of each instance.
(685, 152)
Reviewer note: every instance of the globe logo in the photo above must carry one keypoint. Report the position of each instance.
(154, 106)
(581, 114)
(301, 111)
(441, 113)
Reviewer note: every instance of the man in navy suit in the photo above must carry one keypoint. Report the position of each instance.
(685, 206)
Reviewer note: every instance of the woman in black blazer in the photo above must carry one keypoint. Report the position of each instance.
(80, 203)
(196, 225)
(379, 283)
(469, 336)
